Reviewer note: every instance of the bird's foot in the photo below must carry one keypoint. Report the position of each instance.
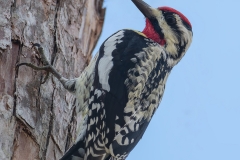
(46, 64)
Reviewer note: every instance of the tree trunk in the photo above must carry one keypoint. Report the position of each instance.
(37, 121)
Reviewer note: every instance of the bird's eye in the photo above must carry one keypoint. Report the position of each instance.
(170, 20)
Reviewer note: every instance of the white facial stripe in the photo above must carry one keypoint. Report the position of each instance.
(170, 36)
(186, 39)
(105, 64)
(187, 35)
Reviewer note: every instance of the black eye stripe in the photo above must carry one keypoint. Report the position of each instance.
(187, 26)
(170, 19)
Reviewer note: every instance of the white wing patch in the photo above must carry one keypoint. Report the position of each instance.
(105, 64)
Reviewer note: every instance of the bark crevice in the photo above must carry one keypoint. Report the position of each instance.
(50, 126)
(69, 133)
(55, 47)
(15, 79)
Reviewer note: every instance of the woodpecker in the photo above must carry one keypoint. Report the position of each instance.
(119, 92)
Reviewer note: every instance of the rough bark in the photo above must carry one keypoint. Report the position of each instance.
(37, 120)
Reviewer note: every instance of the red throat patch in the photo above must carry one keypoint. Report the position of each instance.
(152, 34)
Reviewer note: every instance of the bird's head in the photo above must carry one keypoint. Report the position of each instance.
(167, 26)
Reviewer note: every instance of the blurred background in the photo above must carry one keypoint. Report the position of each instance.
(199, 116)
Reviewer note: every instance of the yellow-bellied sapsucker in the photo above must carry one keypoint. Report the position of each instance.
(124, 83)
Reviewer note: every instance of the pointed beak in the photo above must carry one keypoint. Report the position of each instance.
(146, 10)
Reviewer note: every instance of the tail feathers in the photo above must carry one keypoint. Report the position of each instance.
(76, 152)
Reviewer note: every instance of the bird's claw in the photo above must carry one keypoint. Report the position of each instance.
(46, 64)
